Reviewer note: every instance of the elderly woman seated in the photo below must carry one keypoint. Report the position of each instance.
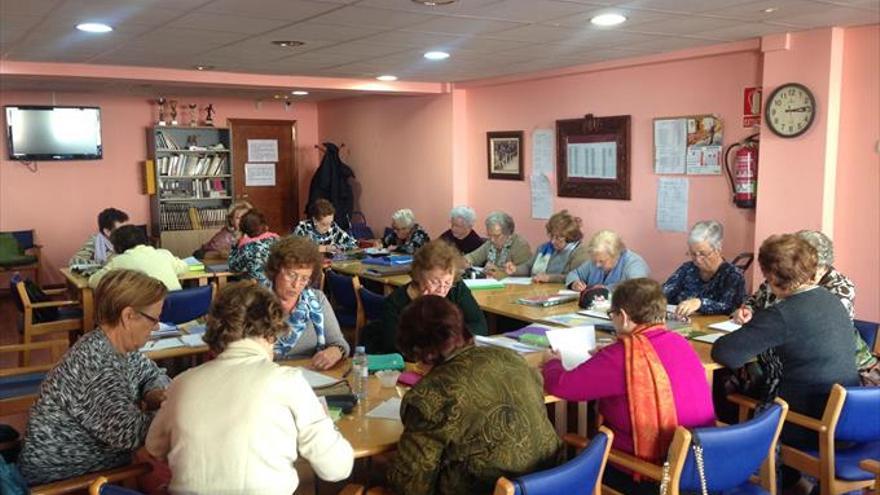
(610, 264)
(502, 247)
(239, 422)
(562, 254)
(707, 284)
(461, 233)
(435, 271)
(95, 406)
(294, 264)
(248, 255)
(406, 235)
(322, 230)
(135, 253)
(476, 415)
(222, 242)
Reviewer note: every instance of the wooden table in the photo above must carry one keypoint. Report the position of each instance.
(356, 268)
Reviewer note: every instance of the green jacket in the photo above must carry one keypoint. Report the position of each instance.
(478, 416)
(381, 339)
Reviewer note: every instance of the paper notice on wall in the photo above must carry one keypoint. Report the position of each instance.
(542, 151)
(706, 160)
(259, 174)
(592, 160)
(670, 144)
(672, 205)
(262, 150)
(542, 196)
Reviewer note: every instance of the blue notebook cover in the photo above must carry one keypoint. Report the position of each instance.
(391, 260)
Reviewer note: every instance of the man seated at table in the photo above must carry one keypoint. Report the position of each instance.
(98, 248)
(238, 423)
(137, 254)
(477, 414)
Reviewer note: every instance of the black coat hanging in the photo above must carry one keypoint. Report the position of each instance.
(331, 183)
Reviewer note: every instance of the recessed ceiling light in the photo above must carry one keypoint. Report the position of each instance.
(769, 10)
(606, 20)
(299, 92)
(288, 43)
(434, 3)
(203, 67)
(437, 55)
(387, 78)
(94, 27)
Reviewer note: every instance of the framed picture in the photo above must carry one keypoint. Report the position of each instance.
(505, 154)
(593, 157)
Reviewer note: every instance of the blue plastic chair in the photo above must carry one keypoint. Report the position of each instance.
(582, 474)
(868, 331)
(342, 290)
(186, 305)
(373, 304)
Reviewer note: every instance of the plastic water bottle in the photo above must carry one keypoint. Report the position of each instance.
(361, 373)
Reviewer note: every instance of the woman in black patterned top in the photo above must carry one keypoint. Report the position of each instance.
(321, 229)
(407, 236)
(88, 416)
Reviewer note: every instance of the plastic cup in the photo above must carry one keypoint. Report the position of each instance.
(388, 378)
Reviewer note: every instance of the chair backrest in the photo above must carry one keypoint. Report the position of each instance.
(583, 474)
(342, 290)
(743, 261)
(860, 403)
(868, 331)
(25, 238)
(373, 304)
(187, 304)
(749, 443)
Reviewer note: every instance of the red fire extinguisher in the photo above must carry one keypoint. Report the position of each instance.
(744, 176)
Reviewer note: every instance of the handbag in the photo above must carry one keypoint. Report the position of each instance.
(701, 468)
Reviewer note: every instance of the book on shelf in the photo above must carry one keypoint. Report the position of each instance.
(190, 165)
(181, 216)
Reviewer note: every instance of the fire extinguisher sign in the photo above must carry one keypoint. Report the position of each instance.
(752, 106)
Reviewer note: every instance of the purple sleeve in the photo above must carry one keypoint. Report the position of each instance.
(601, 376)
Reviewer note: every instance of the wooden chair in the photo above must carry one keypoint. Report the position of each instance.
(101, 486)
(71, 323)
(19, 386)
(845, 420)
(19, 252)
(127, 475)
(872, 466)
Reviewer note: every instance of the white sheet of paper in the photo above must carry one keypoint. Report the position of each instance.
(708, 162)
(542, 196)
(317, 380)
(158, 345)
(482, 283)
(259, 174)
(517, 281)
(262, 150)
(592, 160)
(574, 344)
(542, 151)
(709, 339)
(670, 143)
(568, 292)
(672, 204)
(390, 409)
(193, 340)
(725, 326)
(506, 343)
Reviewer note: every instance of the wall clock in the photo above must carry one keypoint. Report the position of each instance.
(790, 110)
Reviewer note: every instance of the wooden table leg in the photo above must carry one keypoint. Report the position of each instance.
(87, 299)
(560, 420)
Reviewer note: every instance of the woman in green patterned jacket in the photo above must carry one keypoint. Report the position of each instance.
(478, 413)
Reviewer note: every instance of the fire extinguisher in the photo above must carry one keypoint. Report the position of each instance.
(744, 176)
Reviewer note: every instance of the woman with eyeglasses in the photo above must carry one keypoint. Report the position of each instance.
(435, 271)
(561, 254)
(294, 263)
(707, 284)
(95, 406)
(406, 235)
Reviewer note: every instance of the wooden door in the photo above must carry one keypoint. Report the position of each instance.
(279, 203)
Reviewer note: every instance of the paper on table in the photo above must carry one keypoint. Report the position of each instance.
(483, 283)
(517, 281)
(574, 344)
(709, 339)
(390, 409)
(193, 340)
(317, 380)
(725, 326)
(506, 343)
(568, 292)
(569, 320)
(158, 345)
(672, 204)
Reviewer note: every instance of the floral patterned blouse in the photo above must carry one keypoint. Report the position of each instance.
(250, 259)
(333, 237)
(417, 238)
(719, 295)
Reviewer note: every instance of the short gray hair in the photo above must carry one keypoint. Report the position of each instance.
(501, 219)
(606, 241)
(465, 213)
(707, 231)
(403, 217)
(821, 243)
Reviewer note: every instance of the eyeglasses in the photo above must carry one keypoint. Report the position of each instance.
(296, 278)
(438, 284)
(612, 312)
(152, 319)
(702, 254)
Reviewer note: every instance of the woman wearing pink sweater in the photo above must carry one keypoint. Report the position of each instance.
(647, 383)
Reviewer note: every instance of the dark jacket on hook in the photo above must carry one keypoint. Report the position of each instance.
(331, 183)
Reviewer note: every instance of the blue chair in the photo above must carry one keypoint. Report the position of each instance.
(370, 306)
(186, 305)
(579, 475)
(96, 482)
(101, 486)
(19, 386)
(868, 331)
(344, 294)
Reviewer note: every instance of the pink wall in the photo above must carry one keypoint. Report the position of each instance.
(857, 214)
(709, 84)
(401, 151)
(62, 199)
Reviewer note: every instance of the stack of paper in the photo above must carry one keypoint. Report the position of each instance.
(574, 344)
(482, 283)
(725, 326)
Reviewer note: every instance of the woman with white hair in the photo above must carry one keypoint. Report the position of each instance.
(610, 264)
(406, 235)
(502, 247)
(461, 233)
(707, 283)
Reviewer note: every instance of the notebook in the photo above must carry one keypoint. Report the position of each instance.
(725, 326)
(483, 283)
(545, 301)
(194, 264)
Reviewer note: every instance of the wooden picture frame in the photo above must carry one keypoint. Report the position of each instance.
(599, 148)
(504, 155)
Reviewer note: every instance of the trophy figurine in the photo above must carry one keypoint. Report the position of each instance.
(209, 120)
(193, 118)
(173, 112)
(162, 102)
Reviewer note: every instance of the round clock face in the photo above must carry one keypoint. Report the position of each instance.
(790, 110)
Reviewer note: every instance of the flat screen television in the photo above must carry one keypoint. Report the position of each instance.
(37, 133)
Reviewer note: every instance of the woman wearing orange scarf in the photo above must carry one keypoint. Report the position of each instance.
(647, 383)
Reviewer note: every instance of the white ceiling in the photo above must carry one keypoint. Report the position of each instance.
(365, 38)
